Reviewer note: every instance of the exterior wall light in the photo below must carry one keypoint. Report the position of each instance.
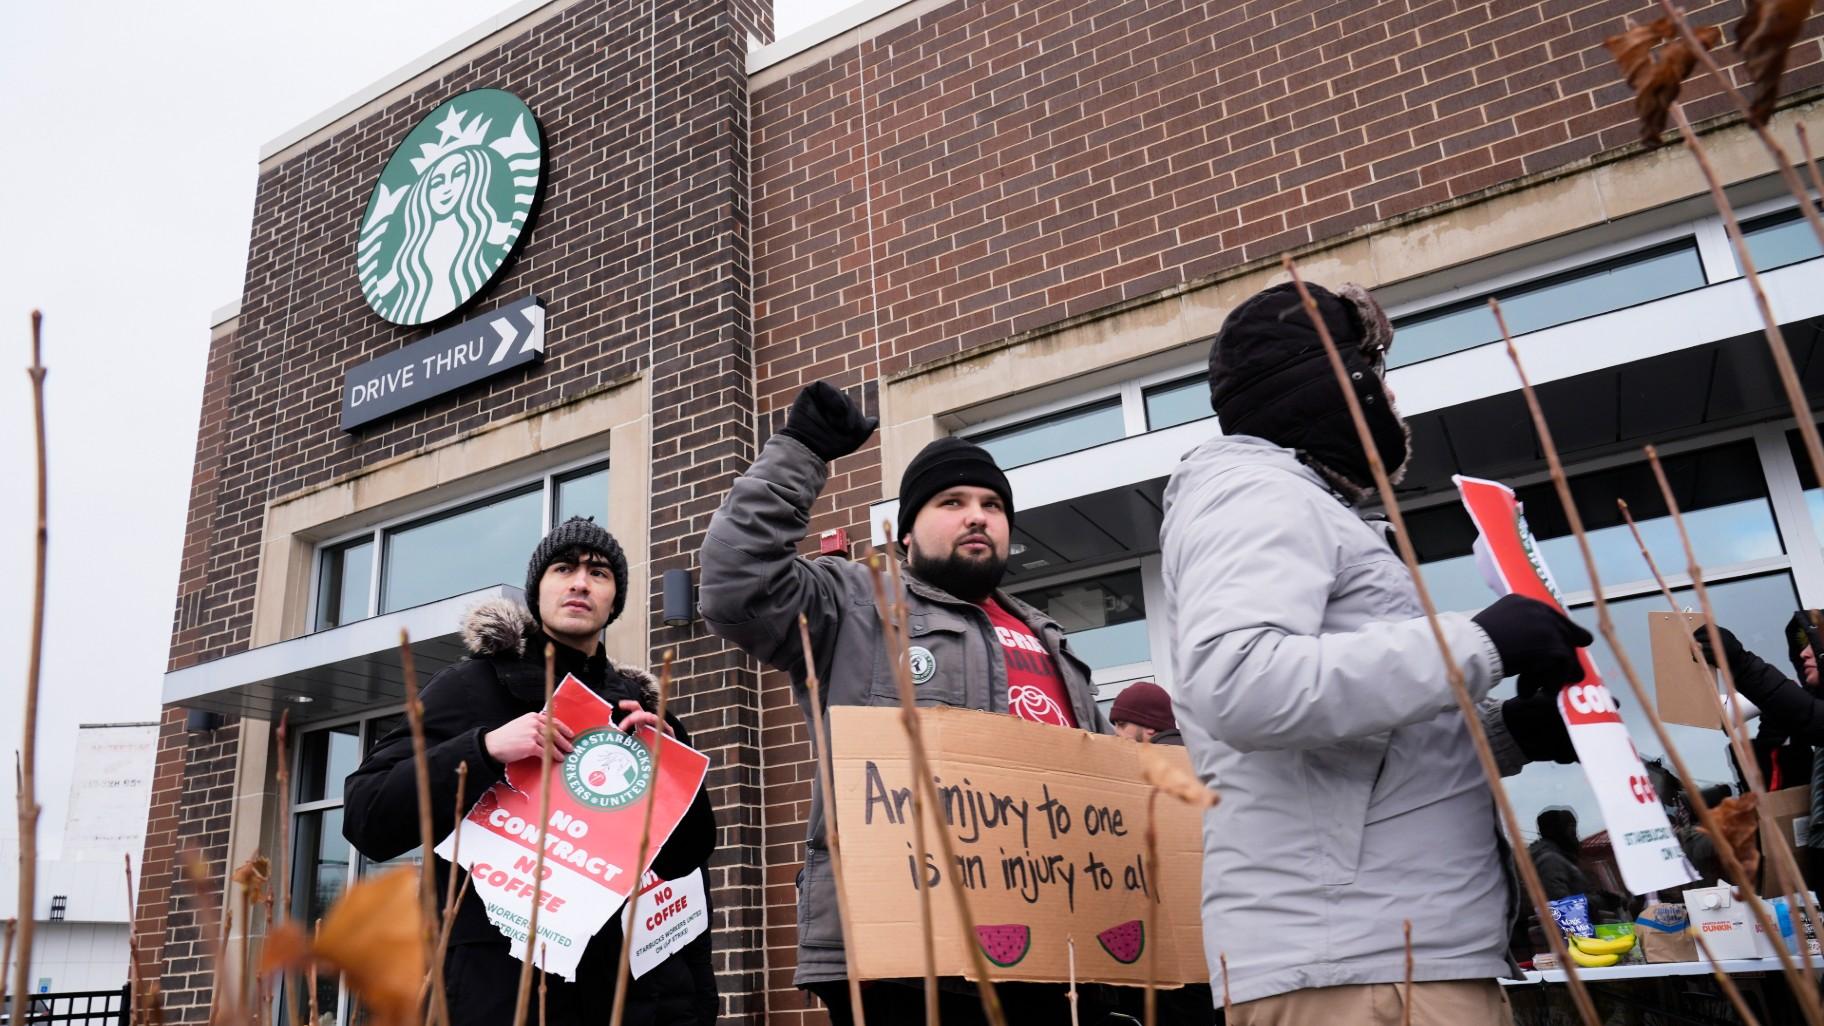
(680, 598)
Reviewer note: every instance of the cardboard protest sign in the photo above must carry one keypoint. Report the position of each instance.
(1049, 831)
(598, 802)
(1646, 850)
(1685, 688)
(667, 915)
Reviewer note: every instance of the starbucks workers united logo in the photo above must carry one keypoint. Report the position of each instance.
(450, 206)
(607, 769)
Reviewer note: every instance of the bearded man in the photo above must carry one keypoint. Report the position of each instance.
(972, 645)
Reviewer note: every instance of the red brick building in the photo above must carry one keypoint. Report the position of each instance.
(1011, 220)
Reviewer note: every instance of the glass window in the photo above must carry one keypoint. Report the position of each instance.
(1780, 239)
(325, 759)
(322, 864)
(1178, 403)
(1808, 480)
(1104, 617)
(582, 494)
(1587, 291)
(1755, 608)
(1055, 435)
(491, 541)
(1720, 491)
(346, 577)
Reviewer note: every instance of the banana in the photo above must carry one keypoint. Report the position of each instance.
(1604, 945)
(1589, 961)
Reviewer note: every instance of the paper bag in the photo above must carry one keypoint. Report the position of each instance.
(1662, 933)
(1686, 688)
(1785, 806)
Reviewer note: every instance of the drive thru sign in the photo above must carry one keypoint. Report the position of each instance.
(599, 794)
(1646, 850)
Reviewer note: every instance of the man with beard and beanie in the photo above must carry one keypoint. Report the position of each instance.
(1312, 693)
(487, 711)
(972, 645)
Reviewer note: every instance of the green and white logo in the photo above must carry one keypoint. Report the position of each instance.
(922, 664)
(607, 769)
(450, 206)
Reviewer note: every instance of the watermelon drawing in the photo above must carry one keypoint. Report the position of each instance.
(1124, 942)
(1004, 945)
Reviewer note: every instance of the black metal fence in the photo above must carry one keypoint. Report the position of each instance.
(88, 1007)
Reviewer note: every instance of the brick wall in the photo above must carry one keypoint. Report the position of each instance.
(192, 792)
(640, 252)
(993, 168)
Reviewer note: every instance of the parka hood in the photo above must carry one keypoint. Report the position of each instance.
(500, 629)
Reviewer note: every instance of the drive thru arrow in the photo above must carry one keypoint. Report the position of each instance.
(507, 332)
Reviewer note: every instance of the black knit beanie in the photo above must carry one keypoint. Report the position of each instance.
(943, 464)
(578, 533)
(1270, 378)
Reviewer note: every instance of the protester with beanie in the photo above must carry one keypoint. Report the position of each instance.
(956, 516)
(1143, 712)
(1311, 690)
(487, 711)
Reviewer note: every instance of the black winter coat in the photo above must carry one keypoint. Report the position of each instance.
(502, 679)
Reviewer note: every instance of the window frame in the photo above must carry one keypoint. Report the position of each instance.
(546, 481)
(1536, 278)
(358, 862)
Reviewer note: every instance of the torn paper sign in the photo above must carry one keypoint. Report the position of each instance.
(668, 915)
(599, 793)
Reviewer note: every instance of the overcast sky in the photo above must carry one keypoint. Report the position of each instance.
(132, 133)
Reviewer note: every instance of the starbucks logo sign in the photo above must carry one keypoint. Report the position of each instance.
(607, 769)
(450, 206)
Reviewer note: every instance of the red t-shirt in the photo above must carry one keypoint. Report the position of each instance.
(1035, 690)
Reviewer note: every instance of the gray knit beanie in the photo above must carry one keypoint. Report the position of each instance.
(577, 533)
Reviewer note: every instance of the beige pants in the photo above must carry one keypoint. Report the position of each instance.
(1443, 1003)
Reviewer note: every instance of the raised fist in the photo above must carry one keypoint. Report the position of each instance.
(827, 422)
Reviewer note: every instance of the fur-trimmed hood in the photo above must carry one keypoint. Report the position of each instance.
(501, 628)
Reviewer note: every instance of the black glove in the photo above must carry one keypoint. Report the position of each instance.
(1538, 728)
(827, 422)
(1535, 641)
(1733, 652)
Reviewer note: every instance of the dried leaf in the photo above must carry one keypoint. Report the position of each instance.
(1657, 78)
(252, 876)
(1764, 36)
(285, 947)
(1171, 778)
(1740, 825)
(1633, 49)
(374, 936)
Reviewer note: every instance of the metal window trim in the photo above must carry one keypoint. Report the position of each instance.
(446, 512)
(1547, 281)
(1602, 253)
(1036, 416)
(543, 479)
(1790, 515)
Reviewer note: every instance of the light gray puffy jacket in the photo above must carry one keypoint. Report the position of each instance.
(1312, 694)
(755, 585)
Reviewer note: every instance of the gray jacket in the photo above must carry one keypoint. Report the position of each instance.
(1311, 693)
(755, 585)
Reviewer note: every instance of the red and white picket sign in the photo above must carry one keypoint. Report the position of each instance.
(599, 793)
(1646, 849)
